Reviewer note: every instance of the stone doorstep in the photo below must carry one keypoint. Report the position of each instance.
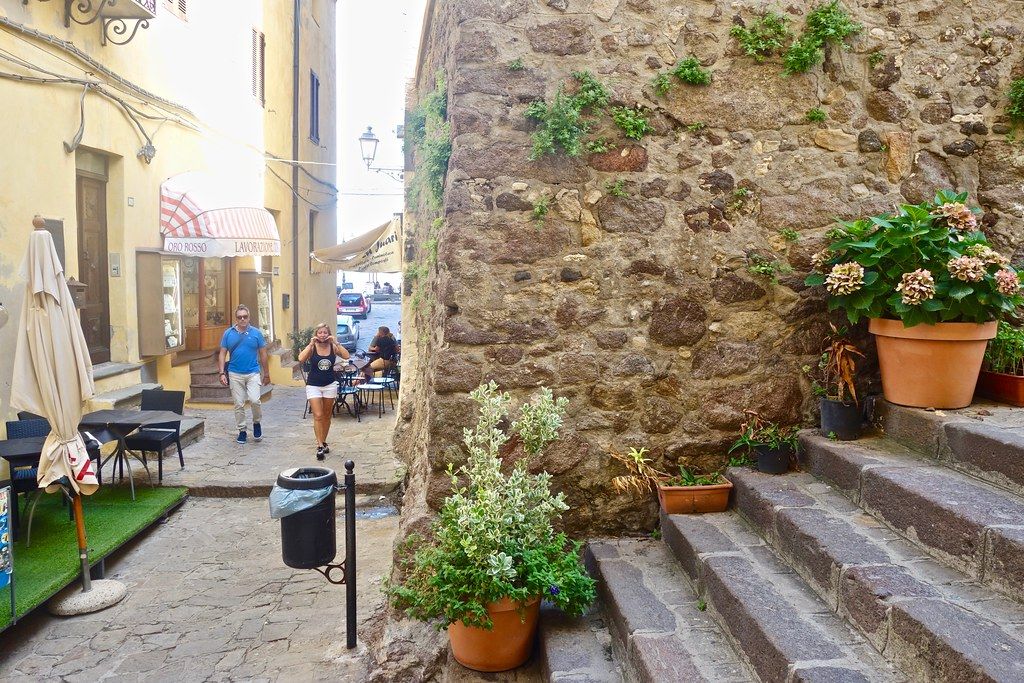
(965, 523)
(656, 629)
(573, 649)
(931, 635)
(104, 370)
(128, 397)
(772, 616)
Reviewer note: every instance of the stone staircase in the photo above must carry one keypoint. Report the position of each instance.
(896, 557)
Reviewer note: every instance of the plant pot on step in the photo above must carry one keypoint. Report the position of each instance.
(681, 500)
(504, 647)
(930, 366)
(840, 420)
(773, 460)
(1001, 387)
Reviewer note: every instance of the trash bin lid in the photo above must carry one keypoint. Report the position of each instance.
(305, 478)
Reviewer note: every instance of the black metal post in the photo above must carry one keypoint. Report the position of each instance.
(350, 553)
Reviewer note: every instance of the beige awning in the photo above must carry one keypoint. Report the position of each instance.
(376, 251)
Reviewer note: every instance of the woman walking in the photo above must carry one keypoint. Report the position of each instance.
(321, 386)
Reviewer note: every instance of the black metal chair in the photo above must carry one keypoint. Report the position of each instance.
(25, 415)
(346, 389)
(156, 438)
(389, 380)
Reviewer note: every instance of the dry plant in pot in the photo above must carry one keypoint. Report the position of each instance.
(834, 383)
(1003, 377)
(678, 494)
(774, 445)
(932, 288)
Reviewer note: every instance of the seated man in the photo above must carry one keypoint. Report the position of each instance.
(384, 349)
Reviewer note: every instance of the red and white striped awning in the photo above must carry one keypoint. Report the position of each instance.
(200, 216)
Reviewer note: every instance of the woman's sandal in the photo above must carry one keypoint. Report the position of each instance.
(319, 452)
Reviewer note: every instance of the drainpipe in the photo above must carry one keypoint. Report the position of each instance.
(295, 167)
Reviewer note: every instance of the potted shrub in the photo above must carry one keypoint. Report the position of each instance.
(841, 415)
(677, 494)
(773, 445)
(1003, 377)
(493, 552)
(932, 288)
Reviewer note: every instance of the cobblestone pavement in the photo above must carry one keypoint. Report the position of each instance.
(209, 600)
(216, 465)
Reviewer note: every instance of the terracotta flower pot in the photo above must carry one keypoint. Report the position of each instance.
(681, 500)
(930, 366)
(1001, 387)
(504, 647)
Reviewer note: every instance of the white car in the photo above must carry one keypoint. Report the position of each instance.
(348, 332)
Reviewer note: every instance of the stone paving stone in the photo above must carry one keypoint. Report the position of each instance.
(226, 609)
(576, 649)
(993, 453)
(1004, 559)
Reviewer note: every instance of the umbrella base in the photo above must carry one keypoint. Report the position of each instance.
(105, 593)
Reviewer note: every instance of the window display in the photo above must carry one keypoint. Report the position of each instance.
(215, 292)
(171, 280)
(264, 313)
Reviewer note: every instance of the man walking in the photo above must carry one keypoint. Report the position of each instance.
(248, 363)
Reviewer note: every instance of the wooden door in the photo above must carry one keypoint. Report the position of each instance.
(92, 266)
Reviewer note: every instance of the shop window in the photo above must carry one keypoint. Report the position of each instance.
(314, 107)
(259, 48)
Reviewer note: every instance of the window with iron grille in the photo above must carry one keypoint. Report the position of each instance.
(177, 7)
(314, 107)
(259, 48)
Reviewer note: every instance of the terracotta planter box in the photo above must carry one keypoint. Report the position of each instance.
(681, 500)
(1001, 387)
(506, 646)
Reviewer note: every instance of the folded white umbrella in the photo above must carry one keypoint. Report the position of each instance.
(52, 370)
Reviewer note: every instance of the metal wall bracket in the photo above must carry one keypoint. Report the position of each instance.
(116, 30)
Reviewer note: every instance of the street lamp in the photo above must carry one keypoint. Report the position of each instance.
(368, 148)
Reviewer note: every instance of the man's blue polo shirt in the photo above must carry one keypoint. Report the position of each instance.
(244, 358)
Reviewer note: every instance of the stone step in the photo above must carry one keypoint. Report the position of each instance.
(782, 628)
(932, 625)
(572, 649)
(658, 630)
(203, 365)
(985, 440)
(128, 397)
(968, 524)
(219, 394)
(210, 379)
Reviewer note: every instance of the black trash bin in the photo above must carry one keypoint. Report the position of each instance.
(308, 537)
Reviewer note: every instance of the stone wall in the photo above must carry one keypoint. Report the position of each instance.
(640, 308)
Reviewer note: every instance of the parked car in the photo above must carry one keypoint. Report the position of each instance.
(353, 303)
(348, 332)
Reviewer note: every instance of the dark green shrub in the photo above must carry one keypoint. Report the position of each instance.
(690, 71)
(763, 36)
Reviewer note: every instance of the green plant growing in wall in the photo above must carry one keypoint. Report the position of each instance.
(632, 120)
(790, 235)
(763, 37)
(740, 197)
(815, 115)
(430, 133)
(616, 189)
(599, 145)
(691, 72)
(827, 23)
(875, 58)
(516, 64)
(696, 127)
(562, 125)
(662, 83)
(767, 268)
(1015, 103)
(541, 207)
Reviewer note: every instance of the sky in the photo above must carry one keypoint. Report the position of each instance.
(377, 44)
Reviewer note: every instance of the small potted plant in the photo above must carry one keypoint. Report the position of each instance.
(841, 415)
(1003, 377)
(932, 289)
(494, 553)
(678, 494)
(773, 445)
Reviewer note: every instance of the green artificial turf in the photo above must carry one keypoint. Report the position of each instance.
(111, 518)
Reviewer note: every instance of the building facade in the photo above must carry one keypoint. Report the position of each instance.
(204, 106)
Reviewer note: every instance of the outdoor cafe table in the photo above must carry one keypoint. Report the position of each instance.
(110, 425)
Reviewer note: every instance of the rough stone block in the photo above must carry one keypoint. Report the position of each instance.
(828, 674)
(631, 605)
(757, 494)
(865, 594)
(990, 452)
(938, 641)
(835, 463)
(688, 536)
(570, 651)
(657, 658)
(1004, 560)
(769, 630)
(820, 545)
(913, 427)
(944, 512)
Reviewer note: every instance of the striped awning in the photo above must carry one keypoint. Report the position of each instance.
(201, 216)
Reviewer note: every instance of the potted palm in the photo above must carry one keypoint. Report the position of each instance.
(686, 492)
(1003, 377)
(932, 288)
(773, 445)
(493, 554)
(841, 415)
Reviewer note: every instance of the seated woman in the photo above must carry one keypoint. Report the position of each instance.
(385, 348)
(321, 386)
